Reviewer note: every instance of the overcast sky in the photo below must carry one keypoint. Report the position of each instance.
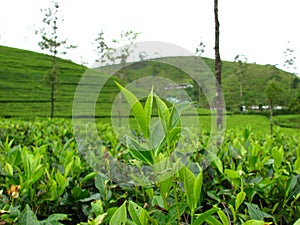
(259, 29)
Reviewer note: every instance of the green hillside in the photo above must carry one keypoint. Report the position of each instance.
(24, 91)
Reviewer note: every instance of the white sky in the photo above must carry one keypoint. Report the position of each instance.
(259, 29)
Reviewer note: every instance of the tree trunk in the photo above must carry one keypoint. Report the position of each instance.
(218, 65)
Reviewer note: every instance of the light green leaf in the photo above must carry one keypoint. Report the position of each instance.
(134, 212)
(188, 179)
(297, 222)
(60, 179)
(89, 177)
(291, 184)
(232, 174)
(297, 166)
(157, 137)
(239, 199)
(256, 222)
(163, 111)
(9, 169)
(137, 109)
(218, 163)
(68, 168)
(176, 113)
(202, 217)
(198, 188)
(120, 215)
(223, 217)
(173, 133)
(165, 187)
(138, 151)
(148, 106)
(233, 212)
(54, 218)
(99, 219)
(278, 156)
(212, 220)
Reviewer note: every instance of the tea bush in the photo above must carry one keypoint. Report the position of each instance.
(253, 179)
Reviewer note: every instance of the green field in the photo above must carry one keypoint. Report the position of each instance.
(25, 93)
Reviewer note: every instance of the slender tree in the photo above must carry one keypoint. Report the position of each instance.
(218, 67)
(110, 55)
(289, 64)
(199, 52)
(128, 38)
(273, 93)
(289, 59)
(241, 72)
(52, 44)
(102, 48)
(200, 49)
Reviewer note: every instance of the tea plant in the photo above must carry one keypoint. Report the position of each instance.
(254, 178)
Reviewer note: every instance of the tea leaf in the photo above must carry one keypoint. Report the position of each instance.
(188, 179)
(202, 217)
(163, 111)
(137, 109)
(255, 213)
(256, 222)
(197, 188)
(135, 212)
(297, 222)
(9, 169)
(239, 199)
(68, 168)
(27, 217)
(89, 177)
(148, 106)
(54, 218)
(277, 156)
(297, 166)
(218, 163)
(138, 151)
(120, 216)
(232, 174)
(223, 217)
(212, 220)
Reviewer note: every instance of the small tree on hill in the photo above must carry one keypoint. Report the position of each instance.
(109, 54)
(199, 52)
(241, 72)
(273, 93)
(52, 44)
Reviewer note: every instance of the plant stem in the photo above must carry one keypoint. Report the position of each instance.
(176, 202)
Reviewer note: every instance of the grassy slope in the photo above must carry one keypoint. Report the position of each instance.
(24, 91)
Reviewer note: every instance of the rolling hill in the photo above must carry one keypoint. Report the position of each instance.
(24, 91)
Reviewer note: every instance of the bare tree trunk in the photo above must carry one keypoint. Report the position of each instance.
(218, 65)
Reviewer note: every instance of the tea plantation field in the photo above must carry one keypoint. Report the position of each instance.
(45, 180)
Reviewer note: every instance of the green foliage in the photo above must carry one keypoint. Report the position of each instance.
(43, 178)
(273, 92)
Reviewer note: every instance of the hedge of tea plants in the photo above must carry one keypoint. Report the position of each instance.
(44, 180)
